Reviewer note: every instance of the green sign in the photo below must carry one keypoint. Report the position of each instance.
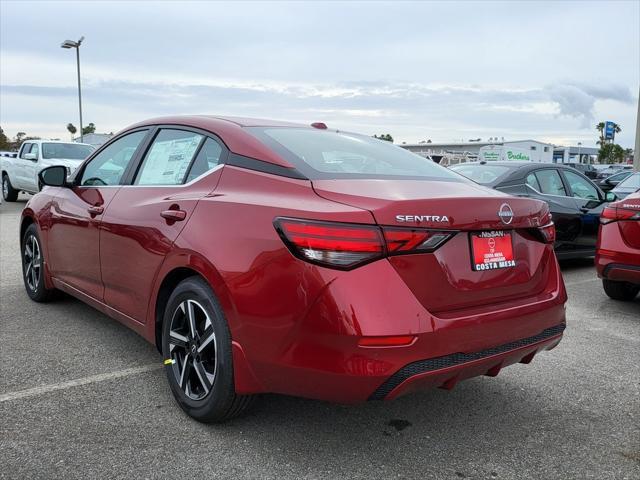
(517, 156)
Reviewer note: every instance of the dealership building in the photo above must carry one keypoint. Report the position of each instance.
(526, 150)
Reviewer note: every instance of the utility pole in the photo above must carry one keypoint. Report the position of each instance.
(636, 152)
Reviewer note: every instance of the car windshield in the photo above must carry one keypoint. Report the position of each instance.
(479, 173)
(632, 182)
(330, 155)
(71, 151)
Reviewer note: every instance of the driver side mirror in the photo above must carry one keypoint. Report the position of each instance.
(55, 176)
(611, 197)
(31, 156)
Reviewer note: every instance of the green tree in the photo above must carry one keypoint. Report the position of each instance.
(611, 153)
(4, 141)
(71, 128)
(385, 136)
(600, 128)
(91, 128)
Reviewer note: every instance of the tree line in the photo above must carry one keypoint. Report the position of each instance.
(9, 144)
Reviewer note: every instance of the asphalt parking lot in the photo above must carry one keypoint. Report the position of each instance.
(81, 396)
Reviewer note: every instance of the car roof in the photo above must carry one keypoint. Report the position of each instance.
(231, 130)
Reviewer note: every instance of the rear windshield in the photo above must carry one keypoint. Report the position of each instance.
(69, 151)
(484, 174)
(329, 154)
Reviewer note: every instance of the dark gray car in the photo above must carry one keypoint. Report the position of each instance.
(574, 200)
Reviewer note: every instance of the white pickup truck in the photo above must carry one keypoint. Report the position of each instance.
(21, 173)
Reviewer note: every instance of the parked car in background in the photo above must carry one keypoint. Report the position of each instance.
(262, 256)
(612, 170)
(8, 154)
(628, 186)
(586, 169)
(574, 200)
(21, 172)
(611, 182)
(618, 253)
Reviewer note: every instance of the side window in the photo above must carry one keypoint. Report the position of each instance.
(169, 157)
(109, 165)
(581, 187)
(26, 148)
(208, 157)
(34, 150)
(550, 182)
(532, 181)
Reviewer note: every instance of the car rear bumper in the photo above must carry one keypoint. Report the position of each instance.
(615, 259)
(446, 371)
(322, 357)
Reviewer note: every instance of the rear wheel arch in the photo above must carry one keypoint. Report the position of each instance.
(177, 274)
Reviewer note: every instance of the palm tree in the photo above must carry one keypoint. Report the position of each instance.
(600, 128)
(72, 129)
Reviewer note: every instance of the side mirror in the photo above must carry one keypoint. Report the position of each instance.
(611, 197)
(55, 176)
(31, 156)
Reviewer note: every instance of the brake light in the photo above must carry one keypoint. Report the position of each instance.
(339, 245)
(614, 214)
(548, 233)
(410, 240)
(345, 245)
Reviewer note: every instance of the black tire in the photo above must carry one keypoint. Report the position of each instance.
(620, 290)
(9, 194)
(33, 267)
(201, 377)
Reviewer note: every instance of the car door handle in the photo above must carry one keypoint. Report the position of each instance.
(585, 210)
(174, 215)
(95, 210)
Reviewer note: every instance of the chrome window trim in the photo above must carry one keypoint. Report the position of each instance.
(208, 172)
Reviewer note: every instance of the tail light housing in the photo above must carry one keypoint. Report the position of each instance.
(345, 245)
(614, 213)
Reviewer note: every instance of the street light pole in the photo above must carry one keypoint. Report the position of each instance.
(76, 45)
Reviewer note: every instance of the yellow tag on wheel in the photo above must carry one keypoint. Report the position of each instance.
(169, 361)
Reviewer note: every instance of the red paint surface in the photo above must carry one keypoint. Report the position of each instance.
(295, 326)
(618, 248)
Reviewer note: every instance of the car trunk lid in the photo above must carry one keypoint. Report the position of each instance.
(445, 280)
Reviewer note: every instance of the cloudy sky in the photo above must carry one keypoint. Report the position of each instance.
(418, 70)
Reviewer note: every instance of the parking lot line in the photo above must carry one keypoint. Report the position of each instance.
(580, 282)
(31, 392)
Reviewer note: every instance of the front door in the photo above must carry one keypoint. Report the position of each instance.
(145, 218)
(74, 238)
(589, 202)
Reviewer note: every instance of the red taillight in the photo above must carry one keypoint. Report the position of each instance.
(614, 214)
(345, 245)
(410, 240)
(548, 233)
(339, 245)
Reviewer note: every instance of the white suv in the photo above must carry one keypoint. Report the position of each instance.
(21, 173)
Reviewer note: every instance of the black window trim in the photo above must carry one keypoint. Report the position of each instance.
(562, 180)
(137, 163)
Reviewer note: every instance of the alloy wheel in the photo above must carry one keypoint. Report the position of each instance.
(32, 262)
(193, 348)
(5, 187)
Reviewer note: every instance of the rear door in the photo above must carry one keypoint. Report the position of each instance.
(546, 184)
(180, 166)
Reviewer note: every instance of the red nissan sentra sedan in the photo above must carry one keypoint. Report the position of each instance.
(618, 250)
(262, 256)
